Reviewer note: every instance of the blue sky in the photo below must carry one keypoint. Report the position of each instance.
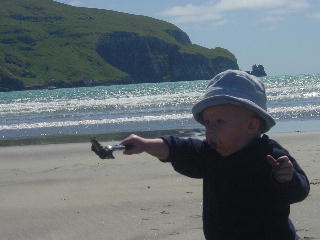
(282, 35)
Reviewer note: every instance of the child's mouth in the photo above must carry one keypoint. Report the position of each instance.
(213, 145)
(212, 141)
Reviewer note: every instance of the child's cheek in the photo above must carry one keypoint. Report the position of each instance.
(209, 135)
(211, 140)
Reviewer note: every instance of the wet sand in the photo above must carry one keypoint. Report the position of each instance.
(63, 191)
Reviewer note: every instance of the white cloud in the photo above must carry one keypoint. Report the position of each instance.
(189, 9)
(76, 3)
(220, 22)
(216, 10)
(272, 19)
(316, 15)
(192, 13)
(196, 18)
(299, 4)
(232, 5)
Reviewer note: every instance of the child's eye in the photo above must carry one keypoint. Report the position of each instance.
(217, 122)
(206, 122)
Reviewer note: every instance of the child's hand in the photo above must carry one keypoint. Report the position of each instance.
(138, 144)
(282, 168)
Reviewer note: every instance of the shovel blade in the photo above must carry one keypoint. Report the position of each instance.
(102, 152)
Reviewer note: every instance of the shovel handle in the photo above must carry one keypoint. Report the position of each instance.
(128, 146)
(106, 152)
(118, 147)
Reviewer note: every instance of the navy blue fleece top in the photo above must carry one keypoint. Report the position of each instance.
(241, 199)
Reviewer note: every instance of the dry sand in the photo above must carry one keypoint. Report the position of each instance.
(65, 192)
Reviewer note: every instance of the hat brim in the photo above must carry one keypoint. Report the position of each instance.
(223, 99)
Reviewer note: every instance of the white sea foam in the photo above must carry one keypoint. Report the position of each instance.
(95, 122)
(296, 112)
(284, 95)
(107, 103)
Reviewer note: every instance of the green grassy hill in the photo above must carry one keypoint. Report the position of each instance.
(45, 43)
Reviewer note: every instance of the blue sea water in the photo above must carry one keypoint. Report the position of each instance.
(294, 101)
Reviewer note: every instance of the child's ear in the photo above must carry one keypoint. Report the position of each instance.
(254, 125)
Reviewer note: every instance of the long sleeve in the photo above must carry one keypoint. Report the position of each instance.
(186, 155)
(298, 188)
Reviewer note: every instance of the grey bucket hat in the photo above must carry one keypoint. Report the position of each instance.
(239, 88)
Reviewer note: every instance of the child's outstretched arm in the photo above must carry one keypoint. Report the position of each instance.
(156, 147)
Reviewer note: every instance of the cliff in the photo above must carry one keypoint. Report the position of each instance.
(46, 44)
(150, 59)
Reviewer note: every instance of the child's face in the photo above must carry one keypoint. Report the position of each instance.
(229, 128)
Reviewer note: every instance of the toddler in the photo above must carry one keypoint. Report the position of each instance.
(249, 180)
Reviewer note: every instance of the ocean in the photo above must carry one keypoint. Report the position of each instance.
(294, 101)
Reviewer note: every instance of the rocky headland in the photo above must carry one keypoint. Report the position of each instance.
(46, 44)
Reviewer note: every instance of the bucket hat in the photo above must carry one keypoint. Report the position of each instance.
(238, 88)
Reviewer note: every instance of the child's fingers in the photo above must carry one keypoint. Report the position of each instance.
(132, 149)
(283, 159)
(282, 168)
(283, 171)
(134, 143)
(284, 163)
(272, 161)
(281, 162)
(129, 139)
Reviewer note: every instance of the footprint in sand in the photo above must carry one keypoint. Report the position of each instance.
(154, 229)
(164, 212)
(145, 209)
(315, 182)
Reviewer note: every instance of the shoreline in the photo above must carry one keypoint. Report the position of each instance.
(114, 137)
(82, 138)
(284, 126)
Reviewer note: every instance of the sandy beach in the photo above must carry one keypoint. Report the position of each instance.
(64, 191)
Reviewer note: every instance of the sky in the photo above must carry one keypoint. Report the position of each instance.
(282, 35)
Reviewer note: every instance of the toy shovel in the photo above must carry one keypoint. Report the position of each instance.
(106, 152)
